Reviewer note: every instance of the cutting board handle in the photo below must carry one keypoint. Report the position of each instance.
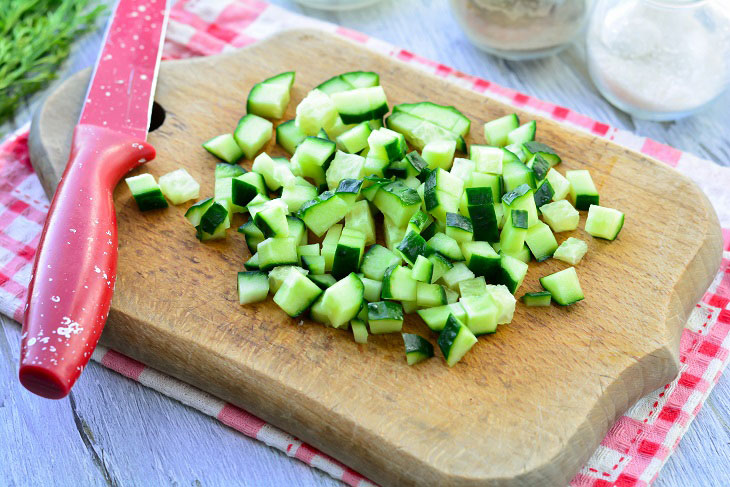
(75, 269)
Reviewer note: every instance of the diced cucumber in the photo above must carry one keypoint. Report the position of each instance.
(398, 284)
(225, 170)
(560, 185)
(481, 314)
(560, 215)
(446, 246)
(539, 165)
(253, 286)
(563, 286)
(209, 218)
(418, 348)
(571, 251)
(603, 222)
(462, 169)
(274, 252)
(419, 132)
(523, 133)
(377, 260)
(520, 198)
(252, 234)
(344, 166)
(419, 221)
(361, 104)
(473, 287)
(429, 295)
(480, 207)
(355, 139)
(439, 154)
(316, 111)
(505, 302)
(447, 117)
(497, 130)
(372, 289)
(544, 193)
(341, 302)
(360, 218)
(224, 147)
(397, 202)
(310, 249)
(322, 212)
(522, 255)
(329, 245)
(516, 149)
(459, 272)
(393, 234)
(412, 246)
(359, 331)
(313, 263)
(531, 148)
(288, 135)
(361, 79)
(436, 317)
(415, 164)
(278, 275)
(348, 253)
(387, 144)
(515, 174)
(385, 317)
(441, 266)
(422, 270)
(482, 260)
(541, 298)
(223, 194)
(270, 97)
(323, 281)
(275, 174)
(298, 193)
(296, 294)
(252, 264)
(179, 186)
(583, 192)
(513, 272)
(487, 159)
(252, 133)
(491, 181)
(312, 157)
(514, 232)
(146, 192)
(455, 340)
(272, 221)
(541, 241)
(459, 227)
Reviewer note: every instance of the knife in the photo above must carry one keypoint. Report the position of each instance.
(74, 272)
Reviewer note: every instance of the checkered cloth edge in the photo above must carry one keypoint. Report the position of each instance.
(636, 447)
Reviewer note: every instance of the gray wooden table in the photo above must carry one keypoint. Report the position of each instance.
(112, 431)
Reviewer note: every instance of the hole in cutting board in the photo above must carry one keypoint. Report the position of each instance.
(157, 117)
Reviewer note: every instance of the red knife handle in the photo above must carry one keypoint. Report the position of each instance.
(75, 269)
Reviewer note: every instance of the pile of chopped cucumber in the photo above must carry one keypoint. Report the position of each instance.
(368, 221)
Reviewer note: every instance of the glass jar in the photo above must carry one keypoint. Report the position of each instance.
(660, 59)
(337, 4)
(521, 29)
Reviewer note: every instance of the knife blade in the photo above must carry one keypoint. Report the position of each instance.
(73, 277)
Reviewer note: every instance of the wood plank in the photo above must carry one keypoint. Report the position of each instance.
(489, 407)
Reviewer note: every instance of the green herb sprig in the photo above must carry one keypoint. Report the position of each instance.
(35, 38)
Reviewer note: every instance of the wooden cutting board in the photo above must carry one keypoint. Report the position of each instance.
(527, 406)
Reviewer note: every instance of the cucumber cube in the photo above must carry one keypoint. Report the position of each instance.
(560, 215)
(252, 133)
(385, 317)
(564, 286)
(418, 348)
(571, 251)
(455, 340)
(603, 222)
(179, 186)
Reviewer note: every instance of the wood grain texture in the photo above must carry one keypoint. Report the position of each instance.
(254, 357)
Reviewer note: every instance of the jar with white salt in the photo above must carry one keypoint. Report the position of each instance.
(521, 29)
(660, 59)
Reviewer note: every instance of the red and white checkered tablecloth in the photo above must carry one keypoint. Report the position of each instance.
(636, 447)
